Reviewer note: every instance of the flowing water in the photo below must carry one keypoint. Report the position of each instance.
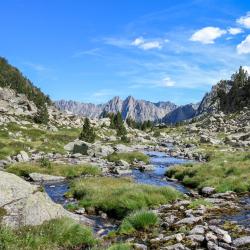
(156, 177)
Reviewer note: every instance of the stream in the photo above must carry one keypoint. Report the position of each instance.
(156, 177)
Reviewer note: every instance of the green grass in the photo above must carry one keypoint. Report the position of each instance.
(119, 196)
(68, 171)
(121, 246)
(128, 157)
(224, 172)
(34, 138)
(139, 220)
(53, 235)
(196, 203)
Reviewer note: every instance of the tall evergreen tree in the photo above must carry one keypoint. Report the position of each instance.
(88, 132)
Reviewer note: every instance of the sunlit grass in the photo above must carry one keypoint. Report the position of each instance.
(225, 172)
(119, 196)
(128, 157)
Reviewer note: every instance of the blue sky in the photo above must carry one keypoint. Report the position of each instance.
(92, 50)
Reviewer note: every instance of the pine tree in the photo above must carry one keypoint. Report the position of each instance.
(42, 115)
(88, 133)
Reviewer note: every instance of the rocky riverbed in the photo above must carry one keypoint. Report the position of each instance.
(209, 220)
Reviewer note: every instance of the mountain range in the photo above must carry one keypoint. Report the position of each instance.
(138, 110)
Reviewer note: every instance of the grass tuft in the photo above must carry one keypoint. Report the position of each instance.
(119, 196)
(225, 172)
(139, 220)
(55, 234)
(69, 171)
(128, 157)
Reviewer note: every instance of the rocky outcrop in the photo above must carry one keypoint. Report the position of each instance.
(180, 114)
(211, 101)
(25, 205)
(138, 110)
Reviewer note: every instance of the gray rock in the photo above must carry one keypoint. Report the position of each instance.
(45, 177)
(24, 205)
(242, 241)
(212, 246)
(140, 246)
(207, 191)
(189, 220)
(177, 246)
(22, 156)
(221, 234)
(196, 237)
(199, 229)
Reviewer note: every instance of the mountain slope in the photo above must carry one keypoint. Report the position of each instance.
(12, 78)
(139, 110)
(181, 113)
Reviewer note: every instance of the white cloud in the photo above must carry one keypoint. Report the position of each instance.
(234, 31)
(207, 35)
(138, 41)
(244, 20)
(247, 68)
(167, 82)
(244, 46)
(90, 52)
(146, 45)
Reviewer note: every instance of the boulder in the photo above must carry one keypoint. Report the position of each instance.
(22, 156)
(242, 241)
(24, 205)
(120, 148)
(45, 177)
(207, 191)
(77, 146)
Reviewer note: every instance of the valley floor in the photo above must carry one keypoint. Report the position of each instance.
(182, 187)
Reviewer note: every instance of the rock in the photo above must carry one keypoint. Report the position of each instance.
(221, 234)
(140, 246)
(212, 246)
(120, 171)
(208, 191)
(77, 146)
(80, 211)
(178, 246)
(148, 167)
(22, 156)
(199, 229)
(196, 237)
(242, 241)
(120, 148)
(99, 150)
(122, 163)
(24, 205)
(45, 177)
(13, 188)
(210, 236)
(189, 220)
